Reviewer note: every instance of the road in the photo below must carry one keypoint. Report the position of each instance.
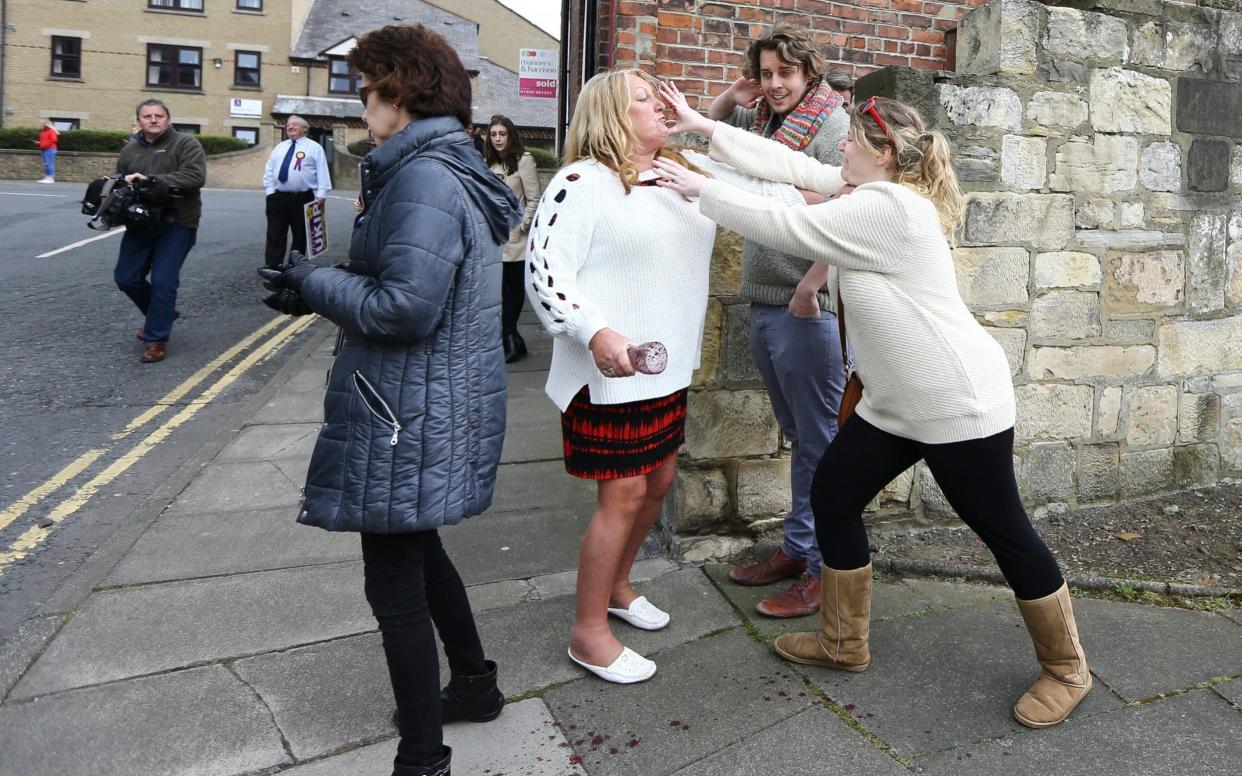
(87, 432)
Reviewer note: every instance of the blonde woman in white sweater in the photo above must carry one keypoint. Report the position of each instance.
(616, 261)
(937, 386)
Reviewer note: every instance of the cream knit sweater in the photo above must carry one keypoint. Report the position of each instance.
(636, 263)
(930, 371)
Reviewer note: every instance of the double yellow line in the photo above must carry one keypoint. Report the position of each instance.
(35, 535)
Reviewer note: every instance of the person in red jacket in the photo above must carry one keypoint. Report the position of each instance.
(48, 140)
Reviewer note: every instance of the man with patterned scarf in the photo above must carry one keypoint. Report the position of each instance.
(783, 95)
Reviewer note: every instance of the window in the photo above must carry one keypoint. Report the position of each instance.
(342, 79)
(189, 129)
(66, 57)
(250, 5)
(176, 5)
(246, 68)
(64, 125)
(175, 67)
(249, 134)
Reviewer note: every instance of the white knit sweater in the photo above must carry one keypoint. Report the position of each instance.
(930, 371)
(636, 263)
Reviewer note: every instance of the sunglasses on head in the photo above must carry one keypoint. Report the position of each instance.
(868, 109)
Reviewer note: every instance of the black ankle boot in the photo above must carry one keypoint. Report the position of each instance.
(438, 768)
(515, 348)
(471, 698)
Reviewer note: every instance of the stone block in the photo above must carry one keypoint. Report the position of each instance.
(1050, 411)
(1160, 167)
(1095, 212)
(1149, 471)
(1128, 101)
(1024, 161)
(1068, 71)
(1098, 470)
(1235, 167)
(935, 505)
(1231, 431)
(1100, 361)
(1233, 275)
(1229, 25)
(1074, 34)
(1171, 45)
(981, 106)
(1065, 315)
(1207, 165)
(1153, 416)
(976, 163)
(1067, 269)
(726, 274)
(1130, 239)
(1196, 347)
(1007, 319)
(739, 366)
(1144, 282)
(1195, 465)
(1049, 472)
(1109, 416)
(1013, 342)
(1205, 265)
(763, 487)
(909, 85)
(1044, 221)
(1134, 331)
(1209, 107)
(1131, 215)
(1108, 163)
(701, 499)
(1056, 109)
(991, 277)
(999, 37)
(725, 424)
(709, 360)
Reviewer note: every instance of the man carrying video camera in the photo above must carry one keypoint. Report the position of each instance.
(166, 169)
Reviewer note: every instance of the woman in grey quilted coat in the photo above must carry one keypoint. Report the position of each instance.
(415, 408)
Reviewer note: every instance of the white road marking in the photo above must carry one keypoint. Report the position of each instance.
(21, 194)
(80, 243)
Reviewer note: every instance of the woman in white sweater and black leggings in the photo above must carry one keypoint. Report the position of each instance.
(937, 386)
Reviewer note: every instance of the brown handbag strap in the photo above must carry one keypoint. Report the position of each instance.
(841, 322)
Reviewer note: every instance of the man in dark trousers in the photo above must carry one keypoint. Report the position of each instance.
(158, 159)
(296, 174)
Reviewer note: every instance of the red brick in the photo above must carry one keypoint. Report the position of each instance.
(669, 69)
(907, 5)
(666, 35)
(754, 14)
(889, 59)
(927, 64)
(626, 38)
(704, 71)
(633, 8)
(848, 12)
(927, 36)
(718, 57)
(858, 43)
(910, 20)
(858, 28)
(684, 53)
(718, 10)
(679, 20)
(897, 33)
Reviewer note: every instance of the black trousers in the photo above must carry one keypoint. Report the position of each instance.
(411, 584)
(512, 295)
(284, 212)
(976, 477)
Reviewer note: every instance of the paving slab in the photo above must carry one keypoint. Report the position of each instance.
(18, 650)
(498, 595)
(526, 487)
(1231, 691)
(894, 598)
(141, 630)
(515, 545)
(566, 582)
(812, 741)
(944, 679)
(523, 741)
(203, 721)
(293, 407)
(268, 442)
(1118, 639)
(704, 697)
(535, 443)
(183, 546)
(227, 487)
(529, 641)
(1196, 733)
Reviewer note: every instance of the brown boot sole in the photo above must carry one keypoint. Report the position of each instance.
(825, 663)
(781, 614)
(1040, 725)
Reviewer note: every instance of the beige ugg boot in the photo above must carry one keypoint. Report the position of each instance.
(844, 624)
(1065, 679)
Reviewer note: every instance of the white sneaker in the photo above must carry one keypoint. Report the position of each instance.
(46, 179)
(628, 668)
(642, 614)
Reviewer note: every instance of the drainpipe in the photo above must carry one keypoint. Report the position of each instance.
(562, 96)
(4, 45)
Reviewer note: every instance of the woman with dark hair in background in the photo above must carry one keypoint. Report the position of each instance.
(506, 157)
(415, 408)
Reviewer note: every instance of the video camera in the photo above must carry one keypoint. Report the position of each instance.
(111, 202)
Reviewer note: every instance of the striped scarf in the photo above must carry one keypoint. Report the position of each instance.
(803, 122)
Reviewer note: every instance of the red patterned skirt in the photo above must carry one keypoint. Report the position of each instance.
(612, 441)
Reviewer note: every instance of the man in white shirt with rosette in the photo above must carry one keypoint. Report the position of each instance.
(296, 174)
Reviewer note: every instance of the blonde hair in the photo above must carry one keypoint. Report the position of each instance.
(601, 129)
(921, 159)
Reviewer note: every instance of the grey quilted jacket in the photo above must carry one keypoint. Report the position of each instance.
(415, 407)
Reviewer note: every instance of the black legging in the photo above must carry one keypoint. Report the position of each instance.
(512, 294)
(411, 583)
(976, 477)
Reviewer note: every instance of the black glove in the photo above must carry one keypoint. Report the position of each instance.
(287, 276)
(287, 302)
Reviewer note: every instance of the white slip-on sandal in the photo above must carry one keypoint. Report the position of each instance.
(628, 668)
(642, 614)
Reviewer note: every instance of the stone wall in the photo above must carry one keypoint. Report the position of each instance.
(1101, 150)
(235, 170)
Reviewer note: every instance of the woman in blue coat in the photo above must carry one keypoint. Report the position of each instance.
(415, 407)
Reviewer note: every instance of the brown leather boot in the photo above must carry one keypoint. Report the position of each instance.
(153, 352)
(798, 600)
(844, 624)
(773, 568)
(1065, 679)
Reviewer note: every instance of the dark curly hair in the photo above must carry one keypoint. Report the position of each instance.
(410, 64)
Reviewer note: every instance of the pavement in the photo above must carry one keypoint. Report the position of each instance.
(227, 640)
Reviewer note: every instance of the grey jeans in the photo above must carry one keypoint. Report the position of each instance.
(804, 374)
